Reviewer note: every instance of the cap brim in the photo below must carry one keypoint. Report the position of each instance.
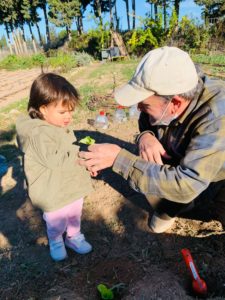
(128, 95)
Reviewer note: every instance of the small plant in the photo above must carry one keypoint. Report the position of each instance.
(87, 140)
(105, 293)
(110, 293)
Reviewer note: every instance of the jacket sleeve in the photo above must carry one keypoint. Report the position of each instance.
(49, 151)
(203, 159)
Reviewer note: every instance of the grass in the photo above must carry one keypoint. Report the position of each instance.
(9, 114)
(20, 105)
(218, 60)
(126, 67)
(86, 91)
(129, 69)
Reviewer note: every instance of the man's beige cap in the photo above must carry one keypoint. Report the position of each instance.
(162, 71)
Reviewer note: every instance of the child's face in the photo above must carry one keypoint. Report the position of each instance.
(57, 114)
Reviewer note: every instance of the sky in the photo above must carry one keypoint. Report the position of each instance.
(187, 7)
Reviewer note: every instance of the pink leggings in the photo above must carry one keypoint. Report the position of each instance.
(66, 219)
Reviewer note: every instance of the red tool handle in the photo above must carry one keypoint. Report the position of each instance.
(198, 284)
(190, 264)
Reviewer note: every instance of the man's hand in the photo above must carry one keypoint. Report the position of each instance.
(151, 149)
(99, 157)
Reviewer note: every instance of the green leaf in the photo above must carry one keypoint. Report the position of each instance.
(106, 294)
(87, 140)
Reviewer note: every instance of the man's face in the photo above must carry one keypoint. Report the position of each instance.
(157, 108)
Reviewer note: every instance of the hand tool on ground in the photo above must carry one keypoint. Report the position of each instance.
(198, 284)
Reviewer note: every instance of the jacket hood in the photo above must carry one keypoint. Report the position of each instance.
(24, 127)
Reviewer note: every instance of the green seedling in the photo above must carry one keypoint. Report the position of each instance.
(87, 140)
(106, 294)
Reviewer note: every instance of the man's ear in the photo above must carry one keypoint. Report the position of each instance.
(177, 103)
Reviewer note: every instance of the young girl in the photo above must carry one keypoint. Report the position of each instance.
(56, 183)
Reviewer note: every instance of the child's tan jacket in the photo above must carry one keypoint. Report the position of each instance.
(50, 163)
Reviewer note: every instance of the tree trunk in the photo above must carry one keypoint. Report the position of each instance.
(39, 34)
(16, 44)
(8, 38)
(127, 11)
(151, 10)
(134, 13)
(156, 11)
(32, 36)
(177, 7)
(23, 40)
(79, 22)
(116, 17)
(99, 13)
(164, 14)
(46, 24)
(68, 30)
(20, 42)
(111, 16)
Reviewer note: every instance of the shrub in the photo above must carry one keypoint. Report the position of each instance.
(144, 39)
(91, 42)
(83, 59)
(141, 41)
(13, 62)
(39, 59)
(190, 35)
(63, 62)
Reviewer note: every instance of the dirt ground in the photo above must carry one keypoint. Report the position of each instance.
(15, 85)
(126, 256)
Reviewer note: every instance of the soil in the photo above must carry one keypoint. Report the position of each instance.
(126, 256)
(15, 85)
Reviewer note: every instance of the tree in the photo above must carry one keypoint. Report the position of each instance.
(212, 9)
(101, 6)
(214, 15)
(8, 17)
(62, 12)
(160, 4)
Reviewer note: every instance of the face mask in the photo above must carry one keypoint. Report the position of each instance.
(167, 121)
(164, 121)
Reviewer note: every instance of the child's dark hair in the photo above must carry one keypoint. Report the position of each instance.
(49, 88)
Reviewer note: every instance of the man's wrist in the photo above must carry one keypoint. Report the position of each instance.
(124, 162)
(142, 133)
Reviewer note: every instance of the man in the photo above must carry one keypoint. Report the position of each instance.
(182, 140)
